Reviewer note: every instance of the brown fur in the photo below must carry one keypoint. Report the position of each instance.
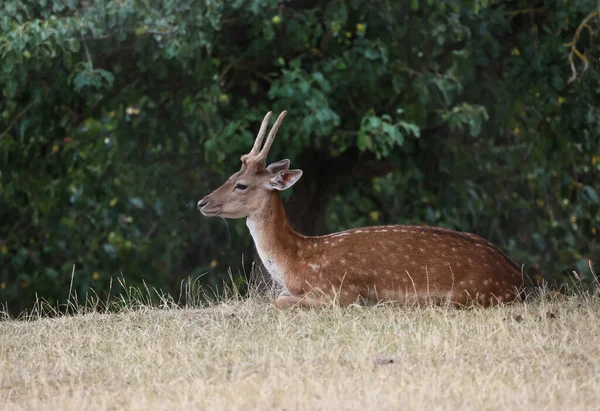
(403, 264)
(397, 263)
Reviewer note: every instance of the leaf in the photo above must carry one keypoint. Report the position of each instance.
(442, 85)
(372, 53)
(398, 83)
(411, 128)
(136, 201)
(51, 273)
(268, 31)
(364, 141)
(394, 134)
(591, 194)
(475, 126)
(74, 45)
(96, 78)
(318, 76)
(110, 250)
(374, 122)
(158, 207)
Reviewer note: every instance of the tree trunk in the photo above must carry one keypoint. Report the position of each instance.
(323, 178)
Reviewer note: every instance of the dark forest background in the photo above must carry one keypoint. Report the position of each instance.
(117, 116)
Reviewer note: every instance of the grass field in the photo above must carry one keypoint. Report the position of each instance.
(244, 354)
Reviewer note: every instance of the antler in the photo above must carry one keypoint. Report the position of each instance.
(258, 155)
(260, 136)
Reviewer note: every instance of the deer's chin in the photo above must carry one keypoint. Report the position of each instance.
(220, 213)
(212, 213)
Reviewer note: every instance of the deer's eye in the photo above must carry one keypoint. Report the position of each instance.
(240, 186)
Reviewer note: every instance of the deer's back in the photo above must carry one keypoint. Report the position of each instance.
(404, 264)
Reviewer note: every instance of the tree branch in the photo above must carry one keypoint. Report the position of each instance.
(21, 114)
(87, 52)
(573, 46)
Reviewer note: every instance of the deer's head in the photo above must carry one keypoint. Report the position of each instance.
(247, 191)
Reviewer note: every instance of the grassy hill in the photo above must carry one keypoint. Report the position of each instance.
(244, 354)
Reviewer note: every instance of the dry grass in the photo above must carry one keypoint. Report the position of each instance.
(247, 355)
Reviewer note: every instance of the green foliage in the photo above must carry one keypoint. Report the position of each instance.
(117, 117)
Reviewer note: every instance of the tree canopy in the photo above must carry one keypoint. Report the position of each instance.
(116, 117)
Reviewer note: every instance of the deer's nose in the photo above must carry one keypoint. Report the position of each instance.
(202, 203)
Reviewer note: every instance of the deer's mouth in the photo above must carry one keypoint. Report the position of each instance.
(208, 208)
(213, 212)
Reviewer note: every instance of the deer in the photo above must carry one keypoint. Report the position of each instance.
(398, 264)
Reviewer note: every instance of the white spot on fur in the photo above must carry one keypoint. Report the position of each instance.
(338, 235)
(314, 267)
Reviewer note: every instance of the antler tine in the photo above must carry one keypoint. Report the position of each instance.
(265, 150)
(260, 136)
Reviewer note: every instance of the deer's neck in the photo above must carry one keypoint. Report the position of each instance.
(275, 240)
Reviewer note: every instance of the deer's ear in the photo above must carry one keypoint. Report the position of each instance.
(278, 166)
(284, 179)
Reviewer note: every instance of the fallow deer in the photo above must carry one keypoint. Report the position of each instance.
(395, 263)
